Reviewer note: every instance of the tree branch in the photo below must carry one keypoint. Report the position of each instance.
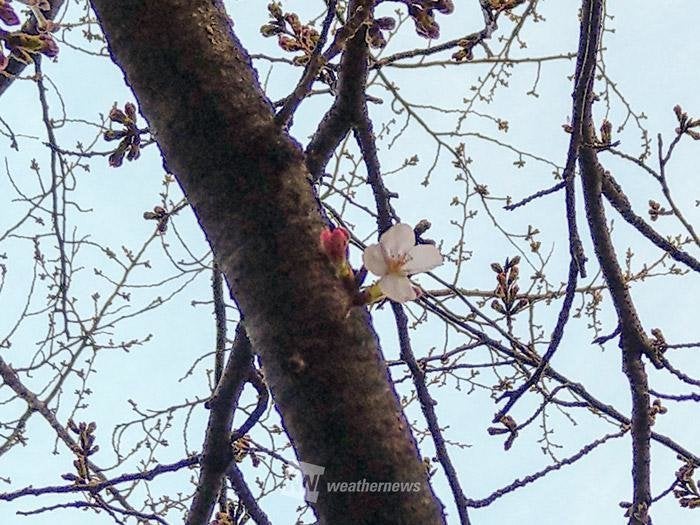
(591, 22)
(10, 378)
(633, 341)
(613, 192)
(245, 496)
(352, 78)
(216, 451)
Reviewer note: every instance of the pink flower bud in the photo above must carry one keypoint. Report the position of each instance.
(335, 244)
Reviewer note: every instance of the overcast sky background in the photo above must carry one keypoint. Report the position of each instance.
(651, 57)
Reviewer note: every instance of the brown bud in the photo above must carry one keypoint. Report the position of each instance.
(522, 304)
(509, 423)
(130, 111)
(606, 132)
(513, 275)
(275, 9)
(117, 115)
(114, 134)
(269, 30)
(386, 23)
(678, 111)
(288, 43)
(444, 6)
(496, 305)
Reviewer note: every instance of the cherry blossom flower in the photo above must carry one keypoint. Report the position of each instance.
(396, 257)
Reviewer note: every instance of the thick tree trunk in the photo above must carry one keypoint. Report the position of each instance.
(247, 184)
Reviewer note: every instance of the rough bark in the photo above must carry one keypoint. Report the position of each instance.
(246, 181)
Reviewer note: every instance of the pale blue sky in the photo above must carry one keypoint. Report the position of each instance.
(650, 60)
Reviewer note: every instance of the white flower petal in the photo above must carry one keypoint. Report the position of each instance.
(397, 288)
(398, 239)
(422, 258)
(373, 259)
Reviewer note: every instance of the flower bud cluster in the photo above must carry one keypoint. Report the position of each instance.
(85, 447)
(507, 302)
(23, 46)
(159, 214)
(129, 136)
(422, 13)
(292, 35)
(686, 124)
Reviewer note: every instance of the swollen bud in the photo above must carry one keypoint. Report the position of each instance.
(334, 243)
